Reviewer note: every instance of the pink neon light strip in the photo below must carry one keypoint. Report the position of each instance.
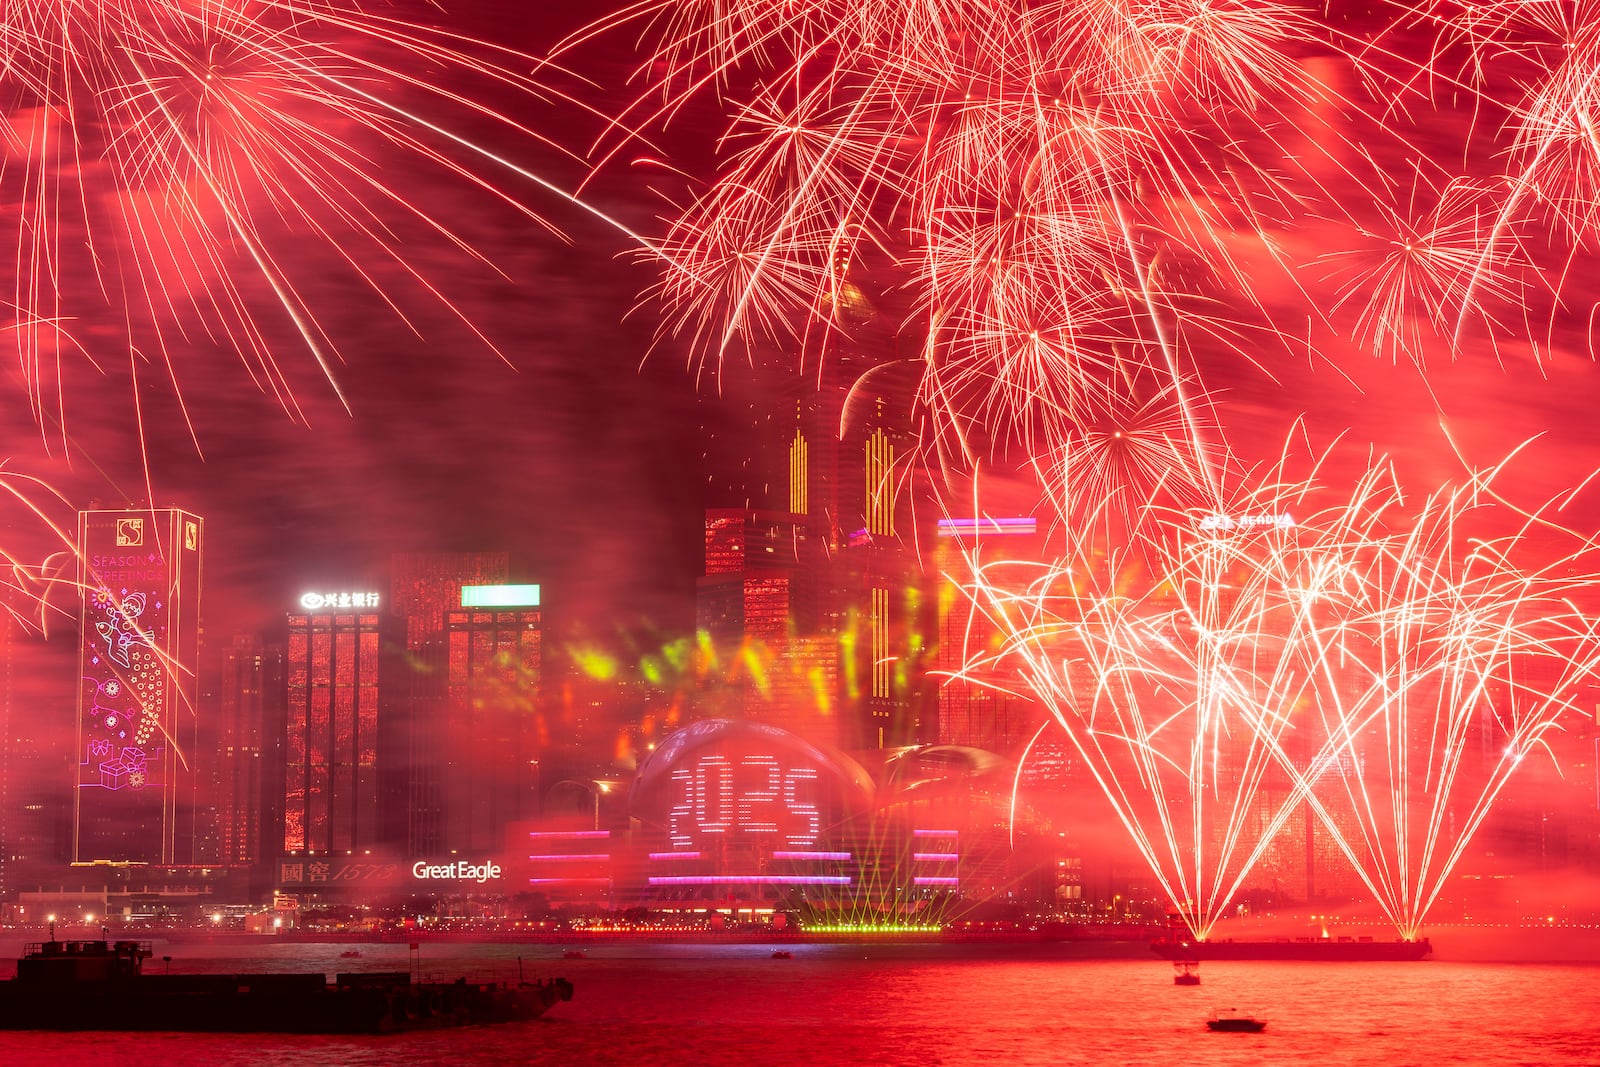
(939, 857)
(569, 835)
(569, 881)
(675, 855)
(751, 879)
(811, 855)
(556, 857)
(935, 881)
(935, 833)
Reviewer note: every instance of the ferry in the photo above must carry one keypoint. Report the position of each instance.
(102, 985)
(1320, 949)
(1231, 1022)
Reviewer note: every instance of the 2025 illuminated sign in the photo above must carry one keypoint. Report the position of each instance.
(752, 794)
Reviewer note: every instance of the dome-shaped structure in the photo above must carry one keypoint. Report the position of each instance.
(908, 768)
(763, 769)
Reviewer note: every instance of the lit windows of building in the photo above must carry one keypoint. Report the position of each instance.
(339, 726)
(494, 727)
(249, 716)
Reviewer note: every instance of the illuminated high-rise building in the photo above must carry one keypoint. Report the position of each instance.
(757, 603)
(836, 473)
(886, 599)
(423, 588)
(140, 573)
(341, 744)
(488, 774)
(246, 740)
(753, 584)
(9, 762)
(28, 810)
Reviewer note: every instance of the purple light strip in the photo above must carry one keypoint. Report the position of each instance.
(751, 879)
(957, 527)
(569, 835)
(940, 857)
(935, 833)
(556, 857)
(569, 881)
(811, 855)
(935, 881)
(675, 855)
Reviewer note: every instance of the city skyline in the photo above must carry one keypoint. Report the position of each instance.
(431, 371)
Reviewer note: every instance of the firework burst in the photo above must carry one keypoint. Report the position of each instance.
(169, 160)
(1371, 660)
(1051, 198)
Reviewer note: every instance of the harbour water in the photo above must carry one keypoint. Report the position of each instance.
(972, 1005)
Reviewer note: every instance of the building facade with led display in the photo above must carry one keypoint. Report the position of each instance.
(342, 747)
(140, 572)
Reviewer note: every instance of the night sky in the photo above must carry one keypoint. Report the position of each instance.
(575, 452)
(502, 397)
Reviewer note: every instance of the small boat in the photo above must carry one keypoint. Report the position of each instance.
(350, 954)
(574, 954)
(782, 954)
(1187, 972)
(1234, 1023)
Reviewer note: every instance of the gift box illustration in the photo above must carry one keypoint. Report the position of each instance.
(126, 771)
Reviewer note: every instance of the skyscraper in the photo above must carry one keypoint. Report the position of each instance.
(423, 588)
(758, 604)
(753, 585)
(885, 583)
(249, 700)
(339, 722)
(140, 572)
(487, 775)
(35, 812)
(836, 476)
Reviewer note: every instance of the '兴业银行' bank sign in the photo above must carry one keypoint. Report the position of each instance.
(338, 601)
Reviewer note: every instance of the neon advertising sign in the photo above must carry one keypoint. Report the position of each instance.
(456, 871)
(338, 601)
(1219, 521)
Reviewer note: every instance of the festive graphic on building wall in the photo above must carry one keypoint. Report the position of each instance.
(140, 580)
